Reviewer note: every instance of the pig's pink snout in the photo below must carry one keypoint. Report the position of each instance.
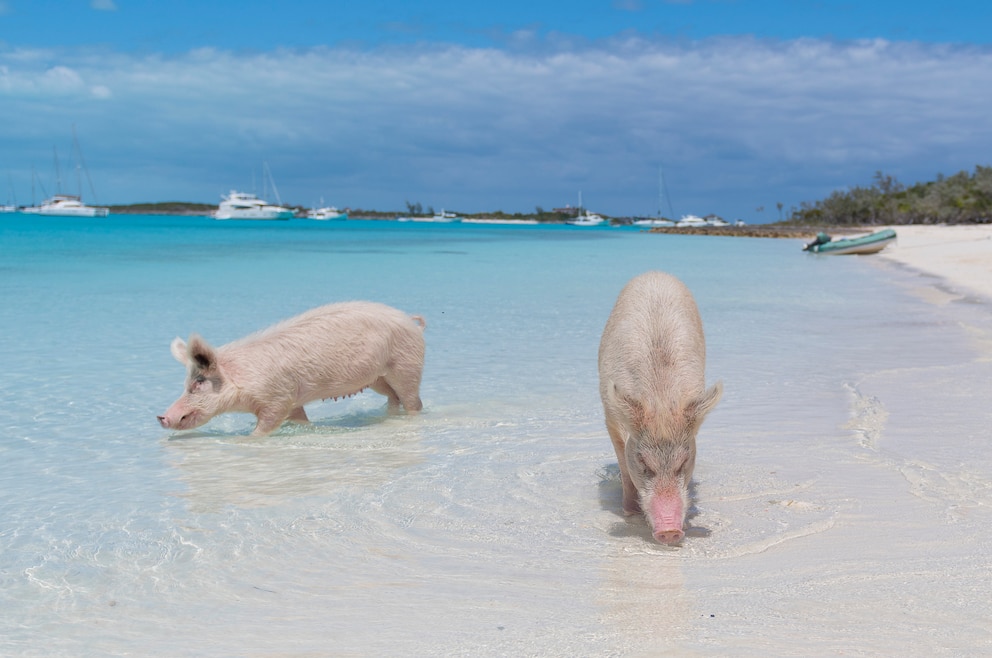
(169, 424)
(667, 517)
(669, 536)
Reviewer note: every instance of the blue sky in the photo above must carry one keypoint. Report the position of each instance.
(743, 105)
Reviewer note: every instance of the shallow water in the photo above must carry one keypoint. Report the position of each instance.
(842, 497)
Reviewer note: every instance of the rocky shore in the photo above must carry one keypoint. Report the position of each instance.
(763, 231)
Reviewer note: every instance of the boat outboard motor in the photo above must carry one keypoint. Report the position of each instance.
(821, 238)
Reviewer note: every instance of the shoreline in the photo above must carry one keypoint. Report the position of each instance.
(960, 254)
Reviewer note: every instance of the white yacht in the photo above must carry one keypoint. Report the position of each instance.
(241, 205)
(329, 212)
(442, 217)
(653, 222)
(66, 205)
(445, 216)
(692, 221)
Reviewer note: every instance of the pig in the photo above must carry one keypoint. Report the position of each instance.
(331, 351)
(652, 359)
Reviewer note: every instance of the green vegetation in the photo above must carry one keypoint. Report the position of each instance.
(959, 199)
(164, 208)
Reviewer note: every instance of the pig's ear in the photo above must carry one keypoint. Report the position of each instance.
(202, 355)
(697, 410)
(178, 348)
(635, 410)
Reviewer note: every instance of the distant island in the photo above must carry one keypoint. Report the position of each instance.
(558, 215)
(164, 208)
(964, 198)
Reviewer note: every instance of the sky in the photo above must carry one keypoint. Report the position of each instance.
(742, 108)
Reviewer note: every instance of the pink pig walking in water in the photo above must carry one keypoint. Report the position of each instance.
(328, 352)
(652, 359)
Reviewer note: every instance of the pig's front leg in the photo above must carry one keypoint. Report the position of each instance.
(631, 504)
(268, 421)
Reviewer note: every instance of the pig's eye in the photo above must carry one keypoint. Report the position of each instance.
(643, 466)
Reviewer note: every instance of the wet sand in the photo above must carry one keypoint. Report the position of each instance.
(961, 255)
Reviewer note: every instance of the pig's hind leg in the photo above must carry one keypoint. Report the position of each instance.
(382, 387)
(299, 415)
(404, 388)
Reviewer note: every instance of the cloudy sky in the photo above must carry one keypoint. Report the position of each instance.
(741, 105)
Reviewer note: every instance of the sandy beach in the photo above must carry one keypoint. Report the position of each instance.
(841, 501)
(961, 255)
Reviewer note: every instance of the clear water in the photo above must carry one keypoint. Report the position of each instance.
(489, 524)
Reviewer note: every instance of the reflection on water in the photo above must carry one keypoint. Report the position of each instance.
(361, 449)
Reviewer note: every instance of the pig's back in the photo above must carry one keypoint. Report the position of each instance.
(358, 337)
(653, 341)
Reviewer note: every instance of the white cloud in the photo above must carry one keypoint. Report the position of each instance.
(738, 123)
(103, 5)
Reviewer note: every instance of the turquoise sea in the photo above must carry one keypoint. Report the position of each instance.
(843, 485)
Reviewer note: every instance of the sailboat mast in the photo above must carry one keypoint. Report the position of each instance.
(268, 172)
(663, 194)
(58, 171)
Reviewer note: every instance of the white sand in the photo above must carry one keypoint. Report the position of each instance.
(962, 255)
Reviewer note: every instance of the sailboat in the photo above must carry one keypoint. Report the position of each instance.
(658, 221)
(68, 205)
(585, 218)
(9, 207)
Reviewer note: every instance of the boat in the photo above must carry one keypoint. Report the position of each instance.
(862, 244)
(241, 205)
(9, 207)
(585, 218)
(445, 216)
(329, 212)
(66, 205)
(658, 222)
(691, 221)
(438, 217)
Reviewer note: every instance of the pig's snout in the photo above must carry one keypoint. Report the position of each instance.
(667, 516)
(169, 424)
(671, 536)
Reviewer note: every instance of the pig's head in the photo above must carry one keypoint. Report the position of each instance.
(202, 398)
(661, 455)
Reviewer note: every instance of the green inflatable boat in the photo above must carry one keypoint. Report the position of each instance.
(863, 244)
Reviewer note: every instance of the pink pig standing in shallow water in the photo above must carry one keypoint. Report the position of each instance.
(328, 352)
(652, 359)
